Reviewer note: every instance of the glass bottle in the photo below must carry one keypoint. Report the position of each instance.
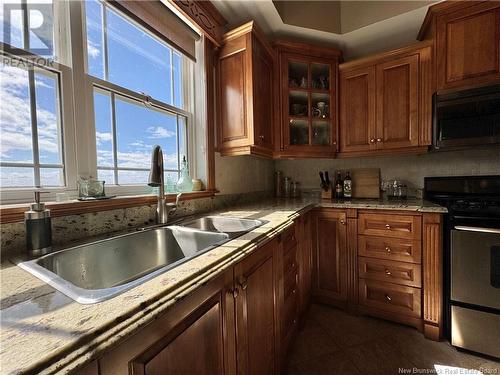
(185, 183)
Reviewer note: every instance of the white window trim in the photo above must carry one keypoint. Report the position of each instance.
(77, 113)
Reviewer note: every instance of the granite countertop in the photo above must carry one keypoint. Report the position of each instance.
(44, 331)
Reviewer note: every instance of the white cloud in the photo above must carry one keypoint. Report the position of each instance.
(159, 132)
(103, 137)
(92, 50)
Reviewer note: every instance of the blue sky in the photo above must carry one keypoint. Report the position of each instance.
(136, 61)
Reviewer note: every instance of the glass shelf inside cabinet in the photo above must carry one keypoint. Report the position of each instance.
(299, 132)
(320, 132)
(320, 105)
(297, 75)
(320, 76)
(298, 103)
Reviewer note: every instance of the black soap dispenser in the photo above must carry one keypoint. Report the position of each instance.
(38, 228)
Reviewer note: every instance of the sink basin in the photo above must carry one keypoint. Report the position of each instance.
(233, 226)
(97, 271)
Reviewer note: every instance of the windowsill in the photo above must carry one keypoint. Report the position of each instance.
(15, 212)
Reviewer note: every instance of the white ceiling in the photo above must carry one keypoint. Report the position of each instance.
(390, 33)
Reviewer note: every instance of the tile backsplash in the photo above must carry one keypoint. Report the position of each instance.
(410, 168)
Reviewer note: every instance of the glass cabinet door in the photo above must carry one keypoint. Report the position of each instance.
(309, 103)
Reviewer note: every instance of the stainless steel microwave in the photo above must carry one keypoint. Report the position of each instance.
(467, 118)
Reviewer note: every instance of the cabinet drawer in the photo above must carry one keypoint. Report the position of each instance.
(387, 225)
(400, 249)
(394, 272)
(393, 298)
(289, 314)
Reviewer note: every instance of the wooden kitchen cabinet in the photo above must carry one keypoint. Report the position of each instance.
(357, 110)
(245, 69)
(255, 283)
(467, 39)
(386, 102)
(330, 256)
(200, 331)
(307, 86)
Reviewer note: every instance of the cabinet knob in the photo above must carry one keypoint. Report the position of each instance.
(372, 140)
(388, 249)
(334, 143)
(388, 298)
(379, 139)
(387, 226)
(261, 137)
(342, 221)
(243, 285)
(388, 272)
(234, 292)
(294, 291)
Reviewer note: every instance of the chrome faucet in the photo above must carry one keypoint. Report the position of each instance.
(163, 209)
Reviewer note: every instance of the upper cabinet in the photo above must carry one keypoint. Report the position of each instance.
(307, 86)
(245, 93)
(467, 37)
(386, 102)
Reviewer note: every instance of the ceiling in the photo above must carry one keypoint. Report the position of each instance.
(358, 28)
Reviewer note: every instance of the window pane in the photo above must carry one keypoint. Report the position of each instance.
(182, 138)
(11, 16)
(136, 60)
(133, 177)
(48, 121)
(16, 177)
(95, 54)
(178, 94)
(140, 128)
(51, 177)
(15, 118)
(41, 27)
(106, 175)
(103, 129)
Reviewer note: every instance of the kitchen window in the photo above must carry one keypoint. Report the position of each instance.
(33, 145)
(87, 91)
(138, 84)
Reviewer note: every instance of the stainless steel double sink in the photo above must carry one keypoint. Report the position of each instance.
(99, 270)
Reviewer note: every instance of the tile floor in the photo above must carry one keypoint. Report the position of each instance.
(333, 342)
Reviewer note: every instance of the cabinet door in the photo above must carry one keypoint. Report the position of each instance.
(233, 121)
(196, 336)
(357, 110)
(255, 312)
(397, 103)
(468, 46)
(330, 256)
(262, 73)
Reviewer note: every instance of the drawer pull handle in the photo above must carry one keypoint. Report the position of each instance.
(388, 273)
(387, 226)
(388, 297)
(388, 249)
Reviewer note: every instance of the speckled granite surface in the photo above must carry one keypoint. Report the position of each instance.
(43, 331)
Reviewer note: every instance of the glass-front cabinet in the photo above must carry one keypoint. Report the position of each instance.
(308, 80)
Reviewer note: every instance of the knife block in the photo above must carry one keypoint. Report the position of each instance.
(326, 194)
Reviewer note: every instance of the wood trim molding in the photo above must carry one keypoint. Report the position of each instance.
(205, 15)
(308, 49)
(15, 213)
(384, 56)
(432, 267)
(352, 261)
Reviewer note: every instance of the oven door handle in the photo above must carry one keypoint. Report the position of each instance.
(477, 229)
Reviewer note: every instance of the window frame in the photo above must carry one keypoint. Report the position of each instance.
(66, 118)
(93, 83)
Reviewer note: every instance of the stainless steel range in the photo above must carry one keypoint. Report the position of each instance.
(472, 259)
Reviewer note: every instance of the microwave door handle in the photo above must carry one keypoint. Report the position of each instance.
(477, 229)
